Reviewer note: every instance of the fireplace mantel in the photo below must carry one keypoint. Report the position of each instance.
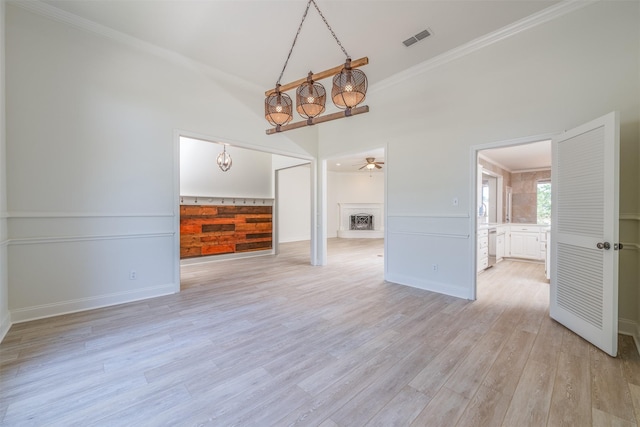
(346, 210)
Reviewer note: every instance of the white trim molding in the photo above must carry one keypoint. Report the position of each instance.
(5, 325)
(546, 15)
(49, 215)
(66, 239)
(631, 328)
(65, 307)
(231, 201)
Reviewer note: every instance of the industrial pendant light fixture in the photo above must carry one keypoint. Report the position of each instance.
(224, 160)
(277, 108)
(310, 98)
(349, 87)
(348, 91)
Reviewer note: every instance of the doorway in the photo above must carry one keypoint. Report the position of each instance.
(584, 264)
(354, 195)
(506, 200)
(248, 187)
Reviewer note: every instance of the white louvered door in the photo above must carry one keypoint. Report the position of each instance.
(584, 273)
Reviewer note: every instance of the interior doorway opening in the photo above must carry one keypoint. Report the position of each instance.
(355, 195)
(506, 223)
(241, 203)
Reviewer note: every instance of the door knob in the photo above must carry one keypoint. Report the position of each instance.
(605, 245)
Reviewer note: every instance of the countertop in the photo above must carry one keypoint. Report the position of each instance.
(491, 226)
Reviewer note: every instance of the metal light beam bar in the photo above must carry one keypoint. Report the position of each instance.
(319, 119)
(319, 76)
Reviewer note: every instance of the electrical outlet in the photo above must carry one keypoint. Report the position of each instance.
(133, 275)
(434, 267)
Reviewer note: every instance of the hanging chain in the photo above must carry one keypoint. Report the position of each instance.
(294, 42)
(330, 29)
(304, 16)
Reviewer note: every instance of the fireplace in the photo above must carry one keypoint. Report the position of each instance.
(361, 220)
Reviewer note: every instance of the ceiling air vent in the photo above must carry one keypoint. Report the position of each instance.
(414, 39)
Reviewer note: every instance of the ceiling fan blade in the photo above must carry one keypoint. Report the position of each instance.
(378, 166)
(362, 167)
(379, 163)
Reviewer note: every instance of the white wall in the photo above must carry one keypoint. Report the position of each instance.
(250, 174)
(354, 187)
(294, 204)
(92, 177)
(5, 320)
(552, 77)
(293, 195)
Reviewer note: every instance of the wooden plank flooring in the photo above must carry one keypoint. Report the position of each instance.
(273, 341)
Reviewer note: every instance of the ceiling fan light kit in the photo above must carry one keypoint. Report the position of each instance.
(371, 164)
(348, 91)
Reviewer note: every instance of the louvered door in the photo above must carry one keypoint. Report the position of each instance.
(584, 231)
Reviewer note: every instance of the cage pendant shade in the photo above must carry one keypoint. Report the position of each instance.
(310, 98)
(349, 87)
(278, 108)
(224, 160)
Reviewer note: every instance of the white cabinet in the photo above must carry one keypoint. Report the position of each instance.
(528, 241)
(525, 245)
(483, 249)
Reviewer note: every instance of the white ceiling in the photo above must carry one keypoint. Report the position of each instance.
(520, 158)
(250, 39)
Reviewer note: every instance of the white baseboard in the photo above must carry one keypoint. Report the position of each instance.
(5, 325)
(428, 285)
(65, 307)
(629, 327)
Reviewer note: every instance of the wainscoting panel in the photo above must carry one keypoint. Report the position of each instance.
(61, 262)
(49, 278)
(431, 253)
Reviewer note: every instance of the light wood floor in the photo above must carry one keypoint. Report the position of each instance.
(273, 341)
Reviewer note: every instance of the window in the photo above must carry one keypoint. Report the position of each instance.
(544, 202)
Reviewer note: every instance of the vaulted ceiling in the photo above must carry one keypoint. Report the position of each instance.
(250, 39)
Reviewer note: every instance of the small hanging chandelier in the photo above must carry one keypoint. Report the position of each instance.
(348, 91)
(224, 160)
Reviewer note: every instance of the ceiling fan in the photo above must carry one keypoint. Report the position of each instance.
(371, 164)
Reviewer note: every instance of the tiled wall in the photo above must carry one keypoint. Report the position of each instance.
(212, 230)
(524, 208)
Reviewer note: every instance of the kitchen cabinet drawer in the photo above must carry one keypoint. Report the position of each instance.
(483, 232)
(483, 263)
(483, 253)
(483, 243)
(529, 228)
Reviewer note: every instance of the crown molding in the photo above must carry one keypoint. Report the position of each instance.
(51, 12)
(510, 30)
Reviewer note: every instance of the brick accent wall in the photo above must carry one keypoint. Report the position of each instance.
(212, 230)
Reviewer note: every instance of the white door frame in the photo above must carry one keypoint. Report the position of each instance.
(473, 193)
(177, 134)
